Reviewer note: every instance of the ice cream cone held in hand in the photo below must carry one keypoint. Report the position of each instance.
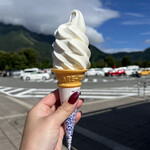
(70, 61)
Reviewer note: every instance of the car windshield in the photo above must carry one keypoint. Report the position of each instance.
(29, 71)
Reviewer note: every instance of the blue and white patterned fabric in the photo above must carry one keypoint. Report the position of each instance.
(69, 127)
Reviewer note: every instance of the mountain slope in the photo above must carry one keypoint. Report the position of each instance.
(14, 38)
(134, 56)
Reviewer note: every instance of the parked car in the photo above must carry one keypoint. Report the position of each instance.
(28, 72)
(115, 72)
(131, 72)
(47, 70)
(136, 74)
(16, 73)
(35, 76)
(94, 72)
(106, 69)
(144, 72)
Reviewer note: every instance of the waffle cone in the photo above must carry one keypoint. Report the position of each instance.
(69, 78)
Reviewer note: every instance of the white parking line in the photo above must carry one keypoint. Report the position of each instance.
(22, 94)
(6, 89)
(39, 80)
(101, 94)
(85, 80)
(100, 139)
(105, 80)
(103, 97)
(55, 81)
(94, 80)
(12, 116)
(16, 90)
(50, 80)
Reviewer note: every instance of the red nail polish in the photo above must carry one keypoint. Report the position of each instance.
(73, 98)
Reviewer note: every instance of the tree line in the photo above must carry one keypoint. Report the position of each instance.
(29, 57)
(109, 61)
(25, 58)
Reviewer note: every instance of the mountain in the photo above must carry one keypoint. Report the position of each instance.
(15, 38)
(134, 56)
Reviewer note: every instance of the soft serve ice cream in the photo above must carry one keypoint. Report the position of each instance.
(71, 45)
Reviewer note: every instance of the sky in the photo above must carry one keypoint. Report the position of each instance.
(111, 25)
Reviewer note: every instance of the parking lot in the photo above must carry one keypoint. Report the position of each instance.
(115, 112)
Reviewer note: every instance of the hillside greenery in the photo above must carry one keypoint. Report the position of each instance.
(21, 48)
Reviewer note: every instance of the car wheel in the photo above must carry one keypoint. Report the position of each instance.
(27, 78)
(44, 78)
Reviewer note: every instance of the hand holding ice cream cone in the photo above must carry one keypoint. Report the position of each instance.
(43, 128)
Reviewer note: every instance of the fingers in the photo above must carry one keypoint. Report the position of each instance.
(78, 117)
(66, 109)
(80, 103)
(54, 107)
(51, 98)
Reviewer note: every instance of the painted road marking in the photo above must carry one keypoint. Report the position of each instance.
(50, 80)
(16, 90)
(85, 80)
(109, 93)
(40, 80)
(55, 80)
(94, 80)
(12, 116)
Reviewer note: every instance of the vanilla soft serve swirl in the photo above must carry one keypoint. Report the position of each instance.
(71, 45)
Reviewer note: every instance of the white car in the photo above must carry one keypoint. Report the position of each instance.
(106, 69)
(130, 72)
(28, 72)
(94, 72)
(36, 76)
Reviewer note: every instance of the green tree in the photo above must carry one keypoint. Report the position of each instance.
(46, 64)
(126, 61)
(109, 61)
(31, 56)
(101, 63)
(18, 61)
(139, 63)
(5, 60)
(146, 64)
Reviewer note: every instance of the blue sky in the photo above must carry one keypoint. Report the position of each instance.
(131, 30)
(111, 25)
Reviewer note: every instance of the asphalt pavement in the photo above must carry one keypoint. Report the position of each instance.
(121, 123)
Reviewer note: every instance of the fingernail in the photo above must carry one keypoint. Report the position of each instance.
(73, 98)
(82, 99)
(81, 112)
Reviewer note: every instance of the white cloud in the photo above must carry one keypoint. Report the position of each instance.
(110, 39)
(147, 41)
(45, 16)
(134, 14)
(145, 33)
(111, 50)
(94, 36)
(137, 22)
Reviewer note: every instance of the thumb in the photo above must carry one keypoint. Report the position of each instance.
(66, 109)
